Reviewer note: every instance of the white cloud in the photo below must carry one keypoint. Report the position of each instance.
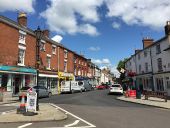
(94, 48)
(57, 38)
(116, 25)
(152, 13)
(17, 5)
(73, 16)
(104, 61)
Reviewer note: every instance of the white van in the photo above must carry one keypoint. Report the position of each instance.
(70, 86)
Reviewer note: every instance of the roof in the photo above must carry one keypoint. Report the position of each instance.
(31, 32)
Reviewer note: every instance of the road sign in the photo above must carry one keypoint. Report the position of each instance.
(31, 101)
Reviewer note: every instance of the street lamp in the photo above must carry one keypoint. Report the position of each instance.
(39, 34)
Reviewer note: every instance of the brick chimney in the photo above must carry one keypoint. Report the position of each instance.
(147, 42)
(22, 19)
(46, 33)
(167, 28)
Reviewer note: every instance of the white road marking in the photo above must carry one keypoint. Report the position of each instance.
(74, 123)
(90, 125)
(25, 125)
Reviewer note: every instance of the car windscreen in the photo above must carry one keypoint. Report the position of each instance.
(80, 83)
(25, 88)
(116, 85)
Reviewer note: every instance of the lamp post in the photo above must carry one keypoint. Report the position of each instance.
(39, 34)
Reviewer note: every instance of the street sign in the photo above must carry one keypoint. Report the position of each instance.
(31, 101)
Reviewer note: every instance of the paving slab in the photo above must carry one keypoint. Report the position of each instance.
(46, 113)
(152, 101)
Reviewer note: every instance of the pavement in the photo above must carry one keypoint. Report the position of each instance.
(47, 112)
(152, 101)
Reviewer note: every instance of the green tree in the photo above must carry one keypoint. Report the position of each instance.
(121, 64)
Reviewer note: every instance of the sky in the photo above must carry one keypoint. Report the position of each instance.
(105, 31)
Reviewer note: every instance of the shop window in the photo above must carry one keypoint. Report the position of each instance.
(160, 84)
(21, 56)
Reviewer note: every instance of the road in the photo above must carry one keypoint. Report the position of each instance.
(97, 109)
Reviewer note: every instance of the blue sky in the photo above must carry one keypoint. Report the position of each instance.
(104, 30)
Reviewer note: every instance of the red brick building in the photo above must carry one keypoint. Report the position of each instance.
(18, 58)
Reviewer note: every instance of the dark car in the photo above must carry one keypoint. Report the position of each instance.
(43, 91)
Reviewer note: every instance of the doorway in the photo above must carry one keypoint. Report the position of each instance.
(16, 83)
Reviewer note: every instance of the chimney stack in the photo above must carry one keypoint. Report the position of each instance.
(22, 19)
(46, 33)
(167, 28)
(147, 42)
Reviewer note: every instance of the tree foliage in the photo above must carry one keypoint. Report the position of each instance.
(121, 64)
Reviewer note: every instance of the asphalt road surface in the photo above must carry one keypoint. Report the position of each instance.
(104, 111)
(97, 109)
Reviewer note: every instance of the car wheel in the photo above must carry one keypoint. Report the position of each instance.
(49, 94)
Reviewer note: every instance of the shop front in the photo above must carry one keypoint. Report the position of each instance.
(12, 78)
(63, 76)
(49, 81)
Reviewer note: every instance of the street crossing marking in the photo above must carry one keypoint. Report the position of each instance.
(89, 124)
(74, 123)
(25, 125)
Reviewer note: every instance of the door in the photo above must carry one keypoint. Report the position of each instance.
(16, 84)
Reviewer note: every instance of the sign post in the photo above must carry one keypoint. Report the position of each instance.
(31, 101)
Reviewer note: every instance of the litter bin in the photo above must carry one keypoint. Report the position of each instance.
(1, 96)
(138, 94)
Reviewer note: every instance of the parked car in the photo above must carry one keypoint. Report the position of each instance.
(116, 88)
(43, 91)
(100, 87)
(85, 85)
(70, 87)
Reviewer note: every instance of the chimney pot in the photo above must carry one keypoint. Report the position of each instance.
(22, 19)
(147, 42)
(46, 32)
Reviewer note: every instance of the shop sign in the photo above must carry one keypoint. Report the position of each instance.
(31, 101)
(17, 69)
(64, 74)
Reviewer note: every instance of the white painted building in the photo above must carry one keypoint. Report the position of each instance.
(152, 64)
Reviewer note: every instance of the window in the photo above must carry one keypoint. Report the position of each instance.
(53, 49)
(85, 64)
(42, 45)
(160, 84)
(65, 53)
(21, 56)
(145, 53)
(65, 66)
(79, 62)
(138, 56)
(158, 49)
(140, 68)
(146, 67)
(159, 62)
(22, 35)
(75, 59)
(75, 71)
(48, 62)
